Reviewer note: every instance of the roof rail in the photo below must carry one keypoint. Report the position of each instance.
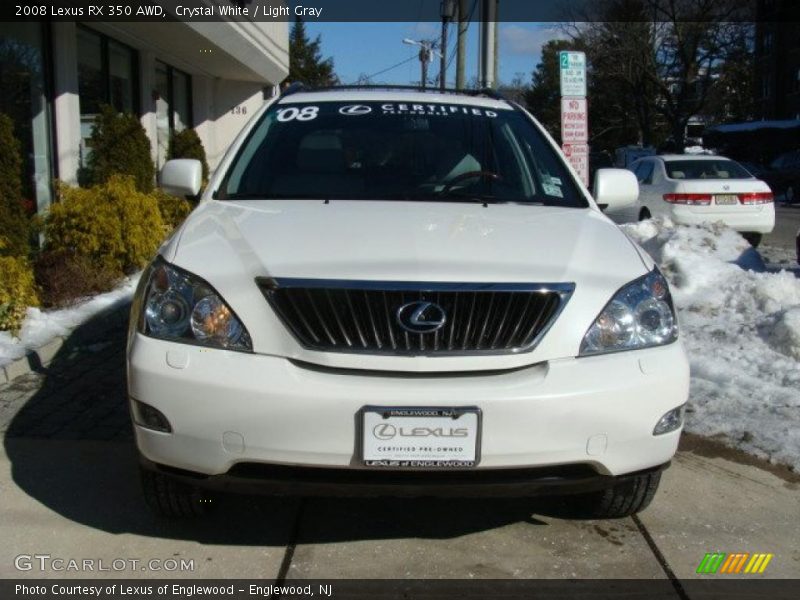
(488, 92)
(293, 88)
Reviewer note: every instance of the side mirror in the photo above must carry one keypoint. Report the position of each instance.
(182, 177)
(615, 188)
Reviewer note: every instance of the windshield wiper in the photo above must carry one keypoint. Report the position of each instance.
(469, 198)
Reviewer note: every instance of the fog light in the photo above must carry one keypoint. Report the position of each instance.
(671, 421)
(150, 418)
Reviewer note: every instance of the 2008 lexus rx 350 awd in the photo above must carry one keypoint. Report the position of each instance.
(399, 292)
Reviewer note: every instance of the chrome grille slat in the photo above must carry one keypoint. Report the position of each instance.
(319, 317)
(361, 316)
(499, 328)
(378, 339)
(337, 318)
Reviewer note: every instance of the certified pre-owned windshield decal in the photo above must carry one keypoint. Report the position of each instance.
(440, 110)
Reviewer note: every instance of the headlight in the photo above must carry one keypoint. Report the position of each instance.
(179, 306)
(640, 315)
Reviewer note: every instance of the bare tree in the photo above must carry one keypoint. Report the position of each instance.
(663, 57)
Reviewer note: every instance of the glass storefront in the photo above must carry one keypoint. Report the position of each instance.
(173, 106)
(24, 97)
(107, 74)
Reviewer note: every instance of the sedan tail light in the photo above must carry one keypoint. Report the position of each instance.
(691, 199)
(756, 198)
(748, 198)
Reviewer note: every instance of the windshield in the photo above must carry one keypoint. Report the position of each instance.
(705, 169)
(398, 151)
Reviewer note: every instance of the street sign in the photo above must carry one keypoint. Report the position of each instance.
(578, 157)
(573, 73)
(574, 121)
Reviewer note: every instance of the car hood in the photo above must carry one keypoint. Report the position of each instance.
(232, 243)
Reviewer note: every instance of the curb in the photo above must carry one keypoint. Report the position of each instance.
(91, 331)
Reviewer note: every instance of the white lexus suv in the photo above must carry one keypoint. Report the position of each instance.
(403, 292)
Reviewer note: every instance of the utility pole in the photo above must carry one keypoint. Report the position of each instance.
(424, 57)
(448, 9)
(461, 44)
(487, 45)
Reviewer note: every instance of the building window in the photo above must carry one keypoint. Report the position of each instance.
(107, 74)
(25, 98)
(173, 99)
(767, 41)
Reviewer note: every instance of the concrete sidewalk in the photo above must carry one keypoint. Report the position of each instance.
(80, 499)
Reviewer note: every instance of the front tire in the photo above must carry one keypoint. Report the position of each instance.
(624, 499)
(170, 498)
(644, 214)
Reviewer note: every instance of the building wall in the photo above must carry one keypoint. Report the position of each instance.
(777, 59)
(226, 89)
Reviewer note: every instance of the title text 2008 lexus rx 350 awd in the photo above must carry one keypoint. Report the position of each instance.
(400, 292)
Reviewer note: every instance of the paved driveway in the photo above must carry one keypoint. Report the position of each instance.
(69, 489)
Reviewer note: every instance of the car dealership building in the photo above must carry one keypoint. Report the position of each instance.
(54, 76)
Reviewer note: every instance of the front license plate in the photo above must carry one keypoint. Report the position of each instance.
(420, 437)
(726, 199)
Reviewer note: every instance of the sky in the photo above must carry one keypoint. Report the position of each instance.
(367, 48)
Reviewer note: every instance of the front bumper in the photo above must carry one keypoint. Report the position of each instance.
(228, 408)
(256, 478)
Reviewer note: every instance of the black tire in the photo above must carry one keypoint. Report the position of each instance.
(790, 195)
(624, 499)
(170, 498)
(644, 214)
(753, 238)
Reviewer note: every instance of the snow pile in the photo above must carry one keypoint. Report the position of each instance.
(696, 150)
(41, 326)
(742, 332)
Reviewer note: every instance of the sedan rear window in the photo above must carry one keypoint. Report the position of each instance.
(705, 169)
(398, 151)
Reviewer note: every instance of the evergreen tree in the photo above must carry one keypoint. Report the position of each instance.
(306, 64)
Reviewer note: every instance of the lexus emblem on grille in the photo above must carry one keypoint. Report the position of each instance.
(421, 317)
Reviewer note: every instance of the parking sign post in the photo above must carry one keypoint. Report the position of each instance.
(574, 111)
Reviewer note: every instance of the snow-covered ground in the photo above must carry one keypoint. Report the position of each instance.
(741, 329)
(41, 326)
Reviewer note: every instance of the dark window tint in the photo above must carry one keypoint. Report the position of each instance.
(705, 169)
(395, 150)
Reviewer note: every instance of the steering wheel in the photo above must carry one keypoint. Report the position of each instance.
(491, 175)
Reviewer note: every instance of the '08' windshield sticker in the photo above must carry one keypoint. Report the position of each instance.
(307, 113)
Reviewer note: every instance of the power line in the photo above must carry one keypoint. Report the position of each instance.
(381, 72)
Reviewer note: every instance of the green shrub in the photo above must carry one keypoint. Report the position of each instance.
(173, 209)
(64, 277)
(14, 225)
(17, 290)
(119, 145)
(187, 144)
(115, 226)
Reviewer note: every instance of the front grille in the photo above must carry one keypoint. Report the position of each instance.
(362, 316)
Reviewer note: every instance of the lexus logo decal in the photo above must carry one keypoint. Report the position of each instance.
(384, 431)
(421, 317)
(355, 110)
